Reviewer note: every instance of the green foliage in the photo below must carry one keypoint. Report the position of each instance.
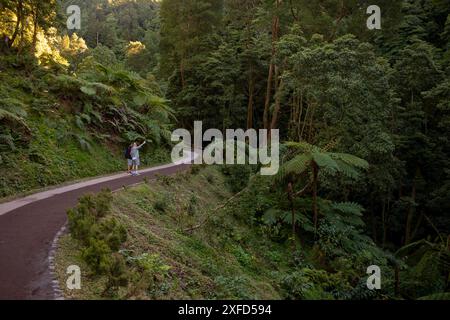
(97, 256)
(74, 125)
(437, 296)
(150, 263)
(237, 176)
(427, 270)
(117, 273)
(195, 169)
(340, 92)
(165, 179)
(310, 284)
(235, 287)
(331, 162)
(162, 203)
(99, 235)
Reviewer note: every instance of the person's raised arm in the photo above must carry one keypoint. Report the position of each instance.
(142, 144)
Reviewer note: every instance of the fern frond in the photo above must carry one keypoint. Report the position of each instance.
(350, 208)
(346, 214)
(13, 118)
(297, 165)
(323, 160)
(347, 170)
(7, 139)
(14, 106)
(300, 146)
(350, 160)
(155, 130)
(271, 216)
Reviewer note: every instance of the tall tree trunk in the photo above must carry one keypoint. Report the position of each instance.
(272, 67)
(291, 202)
(182, 74)
(251, 90)
(409, 217)
(276, 111)
(300, 114)
(373, 221)
(315, 182)
(305, 121)
(19, 15)
(418, 224)
(35, 29)
(268, 96)
(311, 122)
(21, 32)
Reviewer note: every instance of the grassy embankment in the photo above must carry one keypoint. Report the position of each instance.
(225, 258)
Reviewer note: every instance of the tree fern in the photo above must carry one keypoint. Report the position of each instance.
(154, 131)
(325, 161)
(350, 160)
(297, 165)
(312, 158)
(347, 170)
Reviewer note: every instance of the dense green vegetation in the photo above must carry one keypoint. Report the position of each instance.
(161, 261)
(163, 258)
(58, 124)
(314, 70)
(363, 116)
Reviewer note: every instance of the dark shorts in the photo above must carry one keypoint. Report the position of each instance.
(135, 162)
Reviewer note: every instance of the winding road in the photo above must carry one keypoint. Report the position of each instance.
(28, 227)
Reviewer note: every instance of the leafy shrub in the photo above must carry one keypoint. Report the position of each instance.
(311, 284)
(236, 287)
(165, 180)
(192, 205)
(113, 233)
(237, 176)
(100, 236)
(97, 255)
(161, 204)
(151, 263)
(244, 258)
(117, 273)
(151, 269)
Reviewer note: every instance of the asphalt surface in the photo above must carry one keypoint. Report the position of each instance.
(27, 233)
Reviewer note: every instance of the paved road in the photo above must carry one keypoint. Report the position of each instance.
(29, 225)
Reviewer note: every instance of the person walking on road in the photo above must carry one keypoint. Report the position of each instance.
(129, 159)
(134, 152)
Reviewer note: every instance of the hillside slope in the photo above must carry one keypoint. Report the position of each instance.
(48, 134)
(225, 258)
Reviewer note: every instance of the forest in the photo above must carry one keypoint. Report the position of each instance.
(363, 116)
